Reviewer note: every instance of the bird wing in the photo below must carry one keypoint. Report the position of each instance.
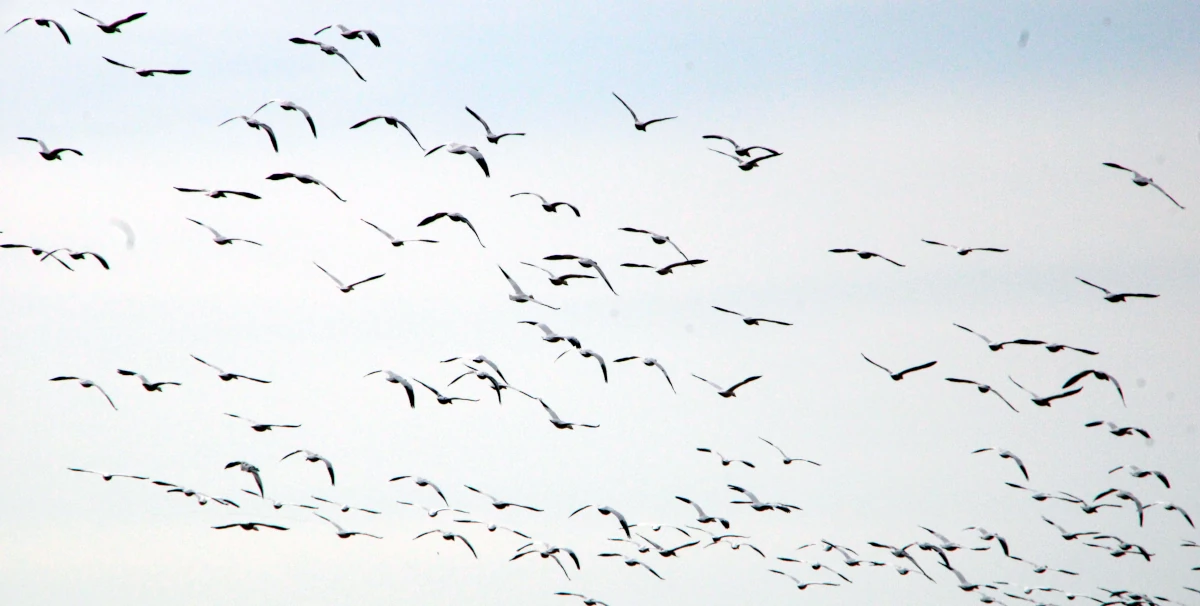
(630, 109)
(216, 234)
(725, 154)
(468, 222)
(331, 276)
(360, 77)
(481, 121)
(1005, 400)
(61, 30)
(1164, 192)
(366, 280)
(431, 219)
(916, 368)
(20, 22)
(208, 365)
(377, 228)
(649, 122)
(474, 153)
(1105, 290)
(516, 288)
(372, 118)
(271, 134)
(731, 141)
(728, 311)
(1064, 394)
(304, 41)
(1076, 378)
(985, 339)
(718, 387)
(874, 364)
(568, 205)
(117, 63)
(307, 117)
(744, 381)
(1117, 166)
(553, 417)
(681, 263)
(119, 23)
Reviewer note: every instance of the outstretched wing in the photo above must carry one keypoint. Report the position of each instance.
(630, 109)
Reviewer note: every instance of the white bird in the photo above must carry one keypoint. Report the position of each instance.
(786, 459)
(587, 353)
(219, 193)
(547, 551)
(250, 526)
(250, 469)
(260, 427)
(353, 34)
(899, 376)
(738, 149)
(460, 149)
(631, 562)
(344, 508)
(1057, 347)
(605, 510)
(586, 600)
(481, 359)
(649, 362)
(433, 513)
(392, 377)
(964, 251)
(1141, 180)
(1006, 454)
(441, 399)
(1138, 472)
(147, 73)
(342, 533)
(493, 527)
(77, 255)
(863, 254)
(519, 295)
(1118, 430)
(88, 383)
(559, 423)
(147, 384)
(1171, 507)
(450, 536)
(201, 498)
(662, 271)
(305, 179)
(495, 384)
(115, 26)
(674, 551)
(499, 504)
(702, 517)
(256, 125)
(640, 124)
(107, 477)
(394, 123)
(1068, 536)
(987, 535)
(228, 376)
(493, 138)
(457, 218)
(291, 106)
(552, 337)
(724, 460)
(395, 242)
(814, 566)
(998, 345)
(313, 457)
(419, 481)
(1101, 375)
(758, 505)
(329, 50)
(1119, 297)
(550, 207)
(801, 585)
(220, 239)
(1046, 401)
(42, 21)
(902, 553)
(749, 321)
(583, 262)
(728, 392)
(344, 288)
(656, 238)
(51, 154)
(747, 163)
(983, 389)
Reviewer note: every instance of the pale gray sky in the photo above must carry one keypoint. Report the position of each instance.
(897, 122)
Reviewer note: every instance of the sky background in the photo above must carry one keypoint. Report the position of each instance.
(897, 123)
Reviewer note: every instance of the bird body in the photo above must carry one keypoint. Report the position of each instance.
(51, 154)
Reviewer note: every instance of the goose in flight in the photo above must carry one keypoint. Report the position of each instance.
(493, 527)
(738, 149)
(344, 508)
(1141, 180)
(115, 26)
(586, 600)
(222, 240)
(946, 544)
(261, 427)
(814, 566)
(559, 423)
(1057, 347)
(419, 481)
(747, 163)
(1112, 297)
(342, 533)
(724, 461)
(550, 336)
(987, 535)
(1006, 454)
(1068, 536)
(702, 517)
(38, 251)
(305, 179)
(631, 562)
(802, 585)
(964, 251)
(449, 536)
(497, 503)
(728, 392)
(394, 123)
(250, 526)
(587, 353)
(786, 459)
(107, 477)
(583, 262)
(77, 255)
(559, 280)
(519, 295)
(983, 388)
(51, 154)
(342, 286)
(328, 50)
(674, 551)
(1118, 430)
(649, 362)
(662, 271)
(608, 511)
(1045, 401)
(998, 345)
(1088, 508)
(457, 218)
(862, 254)
(313, 457)
(88, 383)
(849, 555)
(547, 551)
(656, 238)
(758, 505)
(640, 124)
(147, 73)
(1101, 375)
(483, 375)
(899, 376)
(42, 21)
(550, 207)
(219, 193)
(147, 384)
(901, 553)
(493, 138)
(395, 242)
(201, 498)
(433, 513)
(1138, 472)
(292, 107)
(749, 321)
(256, 125)
(1171, 507)
(481, 359)
(441, 399)
(1037, 495)
(353, 34)
(460, 149)
(228, 376)
(252, 470)
(394, 378)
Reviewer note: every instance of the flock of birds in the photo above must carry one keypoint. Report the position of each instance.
(928, 555)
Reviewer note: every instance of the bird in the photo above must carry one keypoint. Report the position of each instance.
(963, 251)
(201, 498)
(228, 376)
(702, 517)
(662, 271)
(51, 154)
(987, 535)
(983, 388)
(250, 526)
(1038, 495)
(631, 562)
(586, 600)
(650, 362)
(559, 280)
(559, 423)
(899, 376)
(107, 477)
(550, 207)
(460, 149)
(1006, 454)
(353, 34)
(674, 551)
(497, 503)
(394, 123)
(725, 461)
(1171, 507)
(481, 359)
(222, 240)
(1118, 430)
(328, 50)
(758, 505)
(749, 321)
(261, 427)
(39, 251)
(220, 193)
(42, 21)
(306, 179)
(256, 125)
(492, 527)
(342, 286)
(946, 544)
(115, 26)
(419, 481)
(291, 106)
(728, 392)
(344, 508)
(1138, 472)
(815, 566)
(393, 239)
(441, 398)
(495, 384)
(450, 536)
(801, 585)
(392, 377)
(313, 457)
(88, 383)
(1101, 375)
(1068, 536)
(998, 345)
(1088, 508)
(1057, 347)
(862, 254)
(147, 73)
(147, 384)
(1112, 297)
(608, 511)
(1039, 400)
(849, 555)
(640, 124)
(902, 553)
(342, 533)
(457, 218)
(963, 584)
(250, 469)
(747, 163)
(587, 353)
(552, 337)
(520, 296)
(77, 255)
(583, 262)
(433, 513)
(493, 138)
(656, 238)
(786, 459)
(1141, 180)
(738, 149)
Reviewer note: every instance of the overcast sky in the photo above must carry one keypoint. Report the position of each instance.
(897, 123)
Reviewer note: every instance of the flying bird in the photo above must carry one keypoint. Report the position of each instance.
(552, 337)
(250, 469)
(394, 378)
(899, 376)
(738, 149)
(256, 125)
(1138, 472)
(147, 384)
(586, 600)
(587, 353)
(147, 73)
(747, 163)
(1068, 536)
(220, 193)
(77, 255)
(519, 295)
(260, 427)
(674, 551)
(228, 376)
(786, 459)
(107, 477)
(1172, 507)
(1057, 347)
(631, 562)
(1006, 454)
(656, 238)
(1100, 375)
(493, 137)
(583, 262)
(1139, 180)
(605, 510)
(862, 254)
(51, 154)
(305, 179)
(353, 34)
(1119, 431)
(640, 124)
(456, 217)
(559, 423)
(983, 388)
(395, 242)
(313, 457)
(758, 505)
(728, 392)
(344, 288)
(499, 504)
(42, 21)
(964, 251)
(801, 585)
(419, 481)
(290, 106)
(724, 460)
(88, 383)
(662, 271)
(649, 362)
(1125, 496)
(222, 240)
(750, 321)
(250, 526)
(559, 280)
(450, 536)
(115, 26)
(328, 50)
(998, 345)
(550, 207)
(481, 359)
(703, 518)
(1112, 297)
(1045, 401)
(460, 149)
(342, 533)
(441, 399)
(344, 508)
(394, 123)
